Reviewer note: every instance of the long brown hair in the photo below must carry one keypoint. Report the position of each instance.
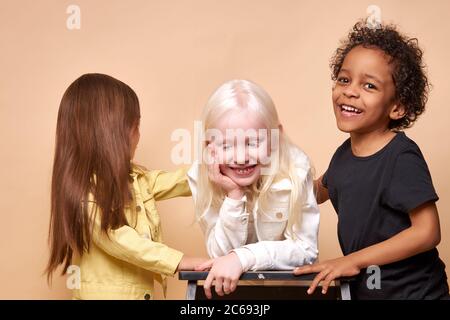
(92, 156)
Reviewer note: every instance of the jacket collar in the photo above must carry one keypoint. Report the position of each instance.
(282, 184)
(137, 170)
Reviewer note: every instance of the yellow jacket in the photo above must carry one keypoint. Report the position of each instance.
(124, 263)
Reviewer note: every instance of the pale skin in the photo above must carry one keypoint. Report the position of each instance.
(365, 82)
(186, 263)
(225, 271)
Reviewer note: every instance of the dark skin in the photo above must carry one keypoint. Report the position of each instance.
(365, 87)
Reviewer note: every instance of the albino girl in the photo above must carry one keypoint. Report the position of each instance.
(254, 193)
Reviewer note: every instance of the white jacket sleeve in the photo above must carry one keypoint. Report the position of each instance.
(225, 228)
(289, 253)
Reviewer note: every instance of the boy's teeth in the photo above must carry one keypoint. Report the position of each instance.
(350, 109)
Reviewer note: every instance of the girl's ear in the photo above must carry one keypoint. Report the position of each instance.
(398, 111)
(135, 129)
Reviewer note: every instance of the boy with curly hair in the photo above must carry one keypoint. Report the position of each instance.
(378, 180)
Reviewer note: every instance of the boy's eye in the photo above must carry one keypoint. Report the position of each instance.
(342, 80)
(369, 86)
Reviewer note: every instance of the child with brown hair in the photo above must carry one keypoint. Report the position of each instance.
(103, 210)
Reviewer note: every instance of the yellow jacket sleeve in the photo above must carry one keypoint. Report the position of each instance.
(127, 245)
(165, 185)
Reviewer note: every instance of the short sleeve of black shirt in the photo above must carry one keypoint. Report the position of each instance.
(411, 184)
(325, 175)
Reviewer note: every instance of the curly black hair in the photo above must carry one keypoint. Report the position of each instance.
(410, 79)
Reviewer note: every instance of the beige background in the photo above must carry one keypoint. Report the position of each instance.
(174, 54)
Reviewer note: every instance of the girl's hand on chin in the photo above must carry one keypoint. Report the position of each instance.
(230, 187)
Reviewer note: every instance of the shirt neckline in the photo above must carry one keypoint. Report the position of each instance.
(379, 152)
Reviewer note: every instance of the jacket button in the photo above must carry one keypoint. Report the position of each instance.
(138, 208)
(243, 220)
(279, 215)
(147, 296)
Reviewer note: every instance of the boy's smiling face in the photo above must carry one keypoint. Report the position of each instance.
(364, 92)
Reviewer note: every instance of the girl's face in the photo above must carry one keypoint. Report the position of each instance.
(363, 96)
(241, 146)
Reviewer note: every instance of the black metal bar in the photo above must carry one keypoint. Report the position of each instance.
(254, 275)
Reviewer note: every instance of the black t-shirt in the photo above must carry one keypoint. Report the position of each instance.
(372, 197)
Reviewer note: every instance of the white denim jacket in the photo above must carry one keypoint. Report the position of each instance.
(226, 229)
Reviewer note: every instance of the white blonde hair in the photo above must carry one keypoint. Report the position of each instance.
(239, 95)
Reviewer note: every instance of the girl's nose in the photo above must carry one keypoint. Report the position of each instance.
(241, 156)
